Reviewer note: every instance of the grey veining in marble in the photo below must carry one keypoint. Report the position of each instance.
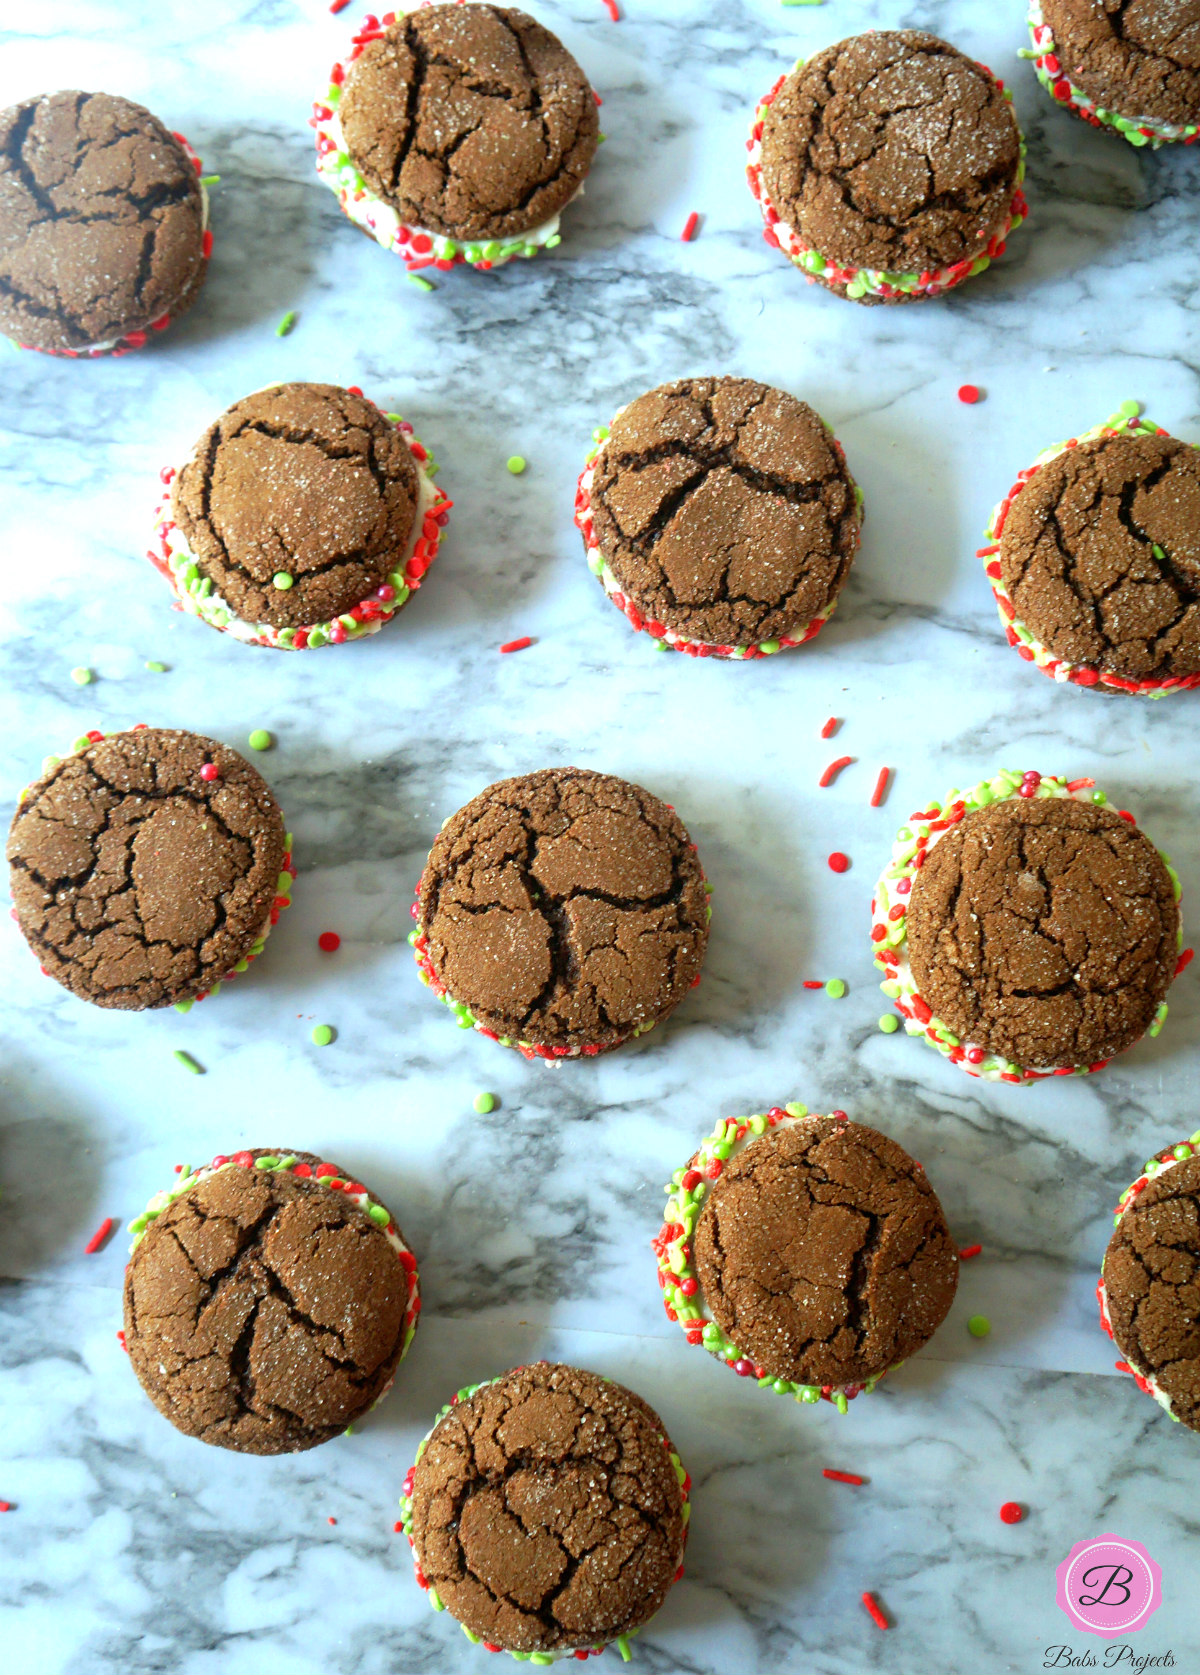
(131, 1549)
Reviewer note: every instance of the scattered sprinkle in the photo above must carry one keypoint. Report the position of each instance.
(322, 1035)
(969, 393)
(157, 668)
(835, 988)
(209, 772)
(213, 179)
(188, 1062)
(814, 982)
(879, 794)
(329, 942)
(869, 1600)
(518, 645)
(484, 1102)
(805, 3)
(831, 727)
(689, 228)
(1012, 1512)
(337, 6)
(5, 1506)
(889, 1023)
(260, 739)
(968, 1251)
(82, 677)
(420, 281)
(979, 1325)
(839, 862)
(286, 324)
(843, 1477)
(516, 464)
(282, 580)
(1185, 960)
(98, 1238)
(331, 1520)
(833, 770)
(613, 11)
(398, 1528)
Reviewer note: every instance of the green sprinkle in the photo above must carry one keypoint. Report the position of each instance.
(516, 465)
(802, 2)
(1181, 1152)
(267, 1161)
(979, 1325)
(322, 1035)
(282, 581)
(209, 179)
(157, 668)
(260, 739)
(286, 324)
(484, 1102)
(188, 1062)
(768, 647)
(835, 988)
(421, 282)
(889, 1023)
(82, 677)
(1129, 409)
(379, 1214)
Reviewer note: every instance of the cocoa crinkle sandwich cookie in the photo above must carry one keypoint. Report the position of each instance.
(104, 234)
(148, 867)
(888, 167)
(456, 134)
(1128, 67)
(1026, 929)
(1094, 560)
(548, 1513)
(1149, 1289)
(269, 1299)
(305, 517)
(720, 517)
(809, 1253)
(562, 913)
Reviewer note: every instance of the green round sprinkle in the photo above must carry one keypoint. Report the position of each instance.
(768, 647)
(516, 465)
(835, 988)
(157, 668)
(379, 1214)
(282, 581)
(82, 742)
(260, 739)
(322, 1035)
(1181, 1152)
(889, 1023)
(484, 1102)
(979, 1325)
(188, 1062)
(82, 677)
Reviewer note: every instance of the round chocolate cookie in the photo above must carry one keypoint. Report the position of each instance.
(889, 166)
(1130, 66)
(547, 1511)
(719, 514)
(1100, 558)
(264, 1311)
(299, 504)
(1045, 930)
(563, 912)
(102, 223)
(470, 121)
(823, 1253)
(145, 867)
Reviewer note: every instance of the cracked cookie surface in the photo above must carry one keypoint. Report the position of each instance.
(136, 882)
(1138, 57)
(823, 1253)
(565, 908)
(264, 1312)
(471, 121)
(546, 1510)
(1152, 1285)
(1045, 930)
(101, 221)
(724, 510)
(1101, 556)
(307, 480)
(891, 151)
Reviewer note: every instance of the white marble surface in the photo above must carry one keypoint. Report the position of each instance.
(131, 1549)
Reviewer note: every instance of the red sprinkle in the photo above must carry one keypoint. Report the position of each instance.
(1185, 960)
(831, 727)
(689, 228)
(833, 770)
(612, 10)
(968, 1251)
(339, 6)
(210, 771)
(5, 1506)
(814, 982)
(877, 1616)
(397, 1528)
(843, 1477)
(329, 942)
(99, 1236)
(969, 393)
(839, 862)
(881, 787)
(1011, 1512)
(331, 1520)
(518, 645)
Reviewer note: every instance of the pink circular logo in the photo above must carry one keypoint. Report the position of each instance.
(1109, 1585)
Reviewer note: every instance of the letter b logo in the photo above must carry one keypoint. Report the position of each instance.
(1109, 1586)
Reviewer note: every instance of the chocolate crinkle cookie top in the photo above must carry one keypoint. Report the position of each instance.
(823, 1253)
(471, 121)
(546, 1511)
(136, 881)
(306, 485)
(565, 908)
(264, 1312)
(101, 221)
(1101, 556)
(1152, 1284)
(1135, 57)
(724, 509)
(1045, 930)
(891, 151)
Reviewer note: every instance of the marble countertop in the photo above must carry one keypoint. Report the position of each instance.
(131, 1549)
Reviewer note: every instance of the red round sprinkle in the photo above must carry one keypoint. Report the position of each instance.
(331, 1520)
(969, 393)
(397, 1528)
(839, 862)
(5, 1506)
(329, 942)
(1012, 1512)
(210, 771)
